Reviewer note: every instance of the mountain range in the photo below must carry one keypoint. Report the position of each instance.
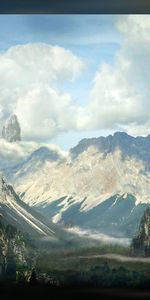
(102, 184)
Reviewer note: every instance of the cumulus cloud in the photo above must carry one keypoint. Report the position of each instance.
(28, 64)
(28, 78)
(120, 93)
(43, 112)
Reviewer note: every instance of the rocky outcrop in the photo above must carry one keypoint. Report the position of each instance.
(11, 131)
(15, 248)
(141, 243)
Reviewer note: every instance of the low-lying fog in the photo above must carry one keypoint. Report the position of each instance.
(107, 239)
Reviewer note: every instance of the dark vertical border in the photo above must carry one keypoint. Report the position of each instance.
(74, 6)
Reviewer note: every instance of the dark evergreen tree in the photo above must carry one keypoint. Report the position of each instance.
(10, 263)
(33, 277)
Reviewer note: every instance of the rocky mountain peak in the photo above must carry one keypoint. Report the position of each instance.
(11, 130)
(106, 144)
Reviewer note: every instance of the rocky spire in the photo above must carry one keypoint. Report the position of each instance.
(11, 131)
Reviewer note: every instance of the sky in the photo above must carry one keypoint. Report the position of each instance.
(69, 77)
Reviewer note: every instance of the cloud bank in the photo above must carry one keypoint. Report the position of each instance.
(12, 154)
(29, 75)
(120, 93)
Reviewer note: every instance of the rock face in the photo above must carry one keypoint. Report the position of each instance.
(11, 131)
(15, 247)
(141, 243)
(137, 147)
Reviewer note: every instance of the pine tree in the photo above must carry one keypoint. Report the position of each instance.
(33, 277)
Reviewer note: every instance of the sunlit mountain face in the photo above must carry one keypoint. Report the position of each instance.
(102, 184)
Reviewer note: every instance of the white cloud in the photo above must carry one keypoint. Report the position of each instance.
(44, 112)
(28, 64)
(119, 99)
(12, 154)
(98, 236)
(120, 92)
(29, 75)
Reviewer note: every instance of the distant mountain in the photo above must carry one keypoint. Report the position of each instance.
(44, 153)
(103, 183)
(33, 162)
(129, 145)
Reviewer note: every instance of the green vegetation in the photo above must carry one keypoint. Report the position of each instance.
(70, 266)
(88, 267)
(17, 254)
(95, 271)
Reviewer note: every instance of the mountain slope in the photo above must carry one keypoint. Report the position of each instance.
(118, 215)
(20, 215)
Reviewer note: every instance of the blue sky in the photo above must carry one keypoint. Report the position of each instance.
(93, 38)
(67, 30)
